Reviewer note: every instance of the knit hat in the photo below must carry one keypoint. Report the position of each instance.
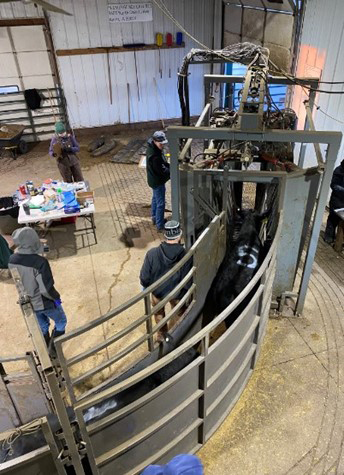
(60, 128)
(183, 464)
(172, 230)
(159, 136)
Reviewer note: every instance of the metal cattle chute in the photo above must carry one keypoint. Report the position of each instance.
(177, 393)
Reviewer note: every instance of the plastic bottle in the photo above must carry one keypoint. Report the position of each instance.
(59, 195)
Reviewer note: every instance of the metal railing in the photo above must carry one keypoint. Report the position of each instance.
(40, 122)
(186, 303)
(187, 408)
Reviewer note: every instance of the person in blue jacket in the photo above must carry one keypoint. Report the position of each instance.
(183, 464)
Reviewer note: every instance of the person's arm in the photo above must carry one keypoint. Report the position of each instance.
(45, 281)
(75, 147)
(337, 183)
(159, 167)
(51, 147)
(145, 274)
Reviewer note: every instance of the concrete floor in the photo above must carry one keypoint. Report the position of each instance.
(290, 418)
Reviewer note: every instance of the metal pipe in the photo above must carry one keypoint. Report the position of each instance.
(198, 124)
(321, 163)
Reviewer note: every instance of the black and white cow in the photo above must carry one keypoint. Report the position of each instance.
(239, 265)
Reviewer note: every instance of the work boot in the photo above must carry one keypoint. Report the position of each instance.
(47, 338)
(52, 348)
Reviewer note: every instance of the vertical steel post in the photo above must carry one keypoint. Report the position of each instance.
(149, 326)
(175, 185)
(331, 156)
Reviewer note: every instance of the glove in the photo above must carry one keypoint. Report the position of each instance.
(57, 303)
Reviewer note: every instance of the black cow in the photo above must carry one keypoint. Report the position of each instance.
(241, 262)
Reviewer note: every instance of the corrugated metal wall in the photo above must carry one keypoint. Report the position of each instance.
(85, 78)
(321, 53)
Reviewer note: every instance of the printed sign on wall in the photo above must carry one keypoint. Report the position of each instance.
(130, 12)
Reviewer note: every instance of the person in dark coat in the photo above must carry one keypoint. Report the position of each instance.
(158, 173)
(336, 201)
(63, 147)
(5, 253)
(38, 282)
(158, 261)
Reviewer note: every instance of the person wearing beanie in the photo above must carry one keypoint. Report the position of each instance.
(38, 282)
(158, 173)
(182, 464)
(336, 201)
(63, 147)
(158, 261)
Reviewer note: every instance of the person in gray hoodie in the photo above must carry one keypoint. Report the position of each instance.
(38, 282)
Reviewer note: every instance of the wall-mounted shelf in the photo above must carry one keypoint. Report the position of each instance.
(114, 49)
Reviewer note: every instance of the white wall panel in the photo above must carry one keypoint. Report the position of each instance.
(321, 53)
(19, 10)
(28, 38)
(85, 78)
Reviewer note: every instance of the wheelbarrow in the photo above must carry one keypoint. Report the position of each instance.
(11, 139)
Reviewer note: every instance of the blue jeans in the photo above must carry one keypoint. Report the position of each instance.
(158, 206)
(57, 314)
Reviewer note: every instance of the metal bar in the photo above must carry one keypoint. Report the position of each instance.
(149, 325)
(99, 425)
(110, 361)
(49, 437)
(331, 156)
(206, 207)
(198, 123)
(131, 302)
(175, 291)
(302, 153)
(317, 150)
(144, 434)
(83, 405)
(223, 133)
(174, 170)
(223, 78)
(175, 310)
(122, 333)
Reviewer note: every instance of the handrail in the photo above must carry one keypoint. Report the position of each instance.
(136, 378)
(121, 308)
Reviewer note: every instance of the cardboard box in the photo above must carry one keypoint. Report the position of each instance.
(83, 196)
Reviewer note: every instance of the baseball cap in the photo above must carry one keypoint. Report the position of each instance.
(183, 464)
(160, 136)
(172, 230)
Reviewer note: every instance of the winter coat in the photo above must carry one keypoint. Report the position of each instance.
(33, 269)
(337, 186)
(158, 169)
(69, 146)
(5, 253)
(158, 261)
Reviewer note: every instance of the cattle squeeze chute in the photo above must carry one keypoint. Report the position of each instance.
(246, 204)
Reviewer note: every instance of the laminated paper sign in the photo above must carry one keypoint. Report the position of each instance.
(130, 12)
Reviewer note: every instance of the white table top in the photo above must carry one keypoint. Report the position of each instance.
(36, 215)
